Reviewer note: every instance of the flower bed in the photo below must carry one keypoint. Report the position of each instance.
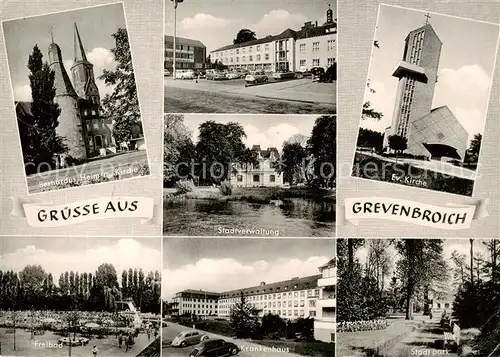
(355, 326)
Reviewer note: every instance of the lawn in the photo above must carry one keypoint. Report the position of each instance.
(373, 343)
(183, 100)
(373, 168)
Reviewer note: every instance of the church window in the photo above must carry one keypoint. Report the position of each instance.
(96, 125)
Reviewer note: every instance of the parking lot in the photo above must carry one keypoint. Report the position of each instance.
(249, 349)
(295, 96)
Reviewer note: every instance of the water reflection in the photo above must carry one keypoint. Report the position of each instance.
(294, 217)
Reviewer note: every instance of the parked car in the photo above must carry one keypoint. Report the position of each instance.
(232, 75)
(202, 75)
(215, 348)
(255, 78)
(166, 73)
(216, 75)
(330, 75)
(185, 74)
(317, 72)
(284, 75)
(186, 338)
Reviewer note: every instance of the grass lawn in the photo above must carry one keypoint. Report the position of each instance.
(374, 168)
(183, 100)
(377, 342)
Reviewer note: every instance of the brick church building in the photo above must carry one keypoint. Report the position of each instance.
(86, 132)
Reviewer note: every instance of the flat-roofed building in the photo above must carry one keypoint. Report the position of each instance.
(196, 302)
(190, 54)
(324, 324)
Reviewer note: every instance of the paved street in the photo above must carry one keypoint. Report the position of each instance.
(103, 167)
(249, 349)
(298, 96)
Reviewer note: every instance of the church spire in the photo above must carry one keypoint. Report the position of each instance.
(79, 50)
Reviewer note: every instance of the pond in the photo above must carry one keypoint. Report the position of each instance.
(296, 217)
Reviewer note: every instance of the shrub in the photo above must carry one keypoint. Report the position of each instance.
(356, 326)
(226, 188)
(184, 186)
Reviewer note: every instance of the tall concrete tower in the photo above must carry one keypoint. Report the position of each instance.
(417, 73)
(83, 72)
(70, 123)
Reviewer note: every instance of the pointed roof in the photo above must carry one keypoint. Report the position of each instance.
(62, 83)
(428, 28)
(79, 50)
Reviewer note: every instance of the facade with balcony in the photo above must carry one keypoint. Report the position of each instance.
(324, 324)
(189, 54)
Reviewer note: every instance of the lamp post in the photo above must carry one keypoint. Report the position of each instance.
(176, 2)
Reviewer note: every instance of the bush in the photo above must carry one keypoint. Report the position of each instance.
(355, 326)
(184, 186)
(226, 188)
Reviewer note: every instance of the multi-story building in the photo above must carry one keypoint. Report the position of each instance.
(435, 133)
(189, 54)
(262, 173)
(324, 324)
(196, 302)
(311, 46)
(290, 299)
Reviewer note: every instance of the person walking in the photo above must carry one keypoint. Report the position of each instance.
(94, 351)
(120, 340)
(149, 333)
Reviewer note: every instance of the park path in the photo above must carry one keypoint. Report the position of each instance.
(425, 340)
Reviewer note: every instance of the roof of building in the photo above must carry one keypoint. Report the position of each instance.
(330, 263)
(305, 32)
(184, 40)
(308, 282)
(79, 50)
(62, 83)
(426, 27)
(266, 153)
(200, 292)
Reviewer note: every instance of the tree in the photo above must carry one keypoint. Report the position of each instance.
(368, 112)
(244, 35)
(244, 318)
(219, 145)
(421, 263)
(106, 276)
(178, 150)
(398, 143)
(122, 105)
(371, 139)
(323, 146)
(293, 162)
(472, 155)
(39, 140)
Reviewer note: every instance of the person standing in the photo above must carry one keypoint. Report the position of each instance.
(94, 351)
(120, 339)
(149, 333)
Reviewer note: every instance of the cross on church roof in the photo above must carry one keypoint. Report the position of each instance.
(427, 16)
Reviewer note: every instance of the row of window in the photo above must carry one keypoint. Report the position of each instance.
(256, 178)
(95, 123)
(301, 293)
(316, 62)
(280, 46)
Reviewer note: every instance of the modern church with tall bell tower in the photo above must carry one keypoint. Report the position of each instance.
(85, 130)
(431, 132)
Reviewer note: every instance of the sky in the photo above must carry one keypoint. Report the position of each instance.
(59, 254)
(95, 24)
(465, 68)
(260, 129)
(462, 246)
(216, 22)
(222, 264)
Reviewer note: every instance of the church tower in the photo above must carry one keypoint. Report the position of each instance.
(83, 72)
(70, 123)
(417, 73)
